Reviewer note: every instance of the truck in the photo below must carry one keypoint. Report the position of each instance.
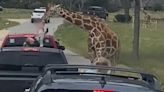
(17, 40)
(20, 66)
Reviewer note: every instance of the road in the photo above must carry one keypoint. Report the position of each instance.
(28, 27)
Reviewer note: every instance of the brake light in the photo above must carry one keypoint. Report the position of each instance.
(30, 49)
(103, 91)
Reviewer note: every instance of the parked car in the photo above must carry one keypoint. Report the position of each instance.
(97, 11)
(74, 78)
(38, 14)
(17, 40)
(20, 66)
(1, 8)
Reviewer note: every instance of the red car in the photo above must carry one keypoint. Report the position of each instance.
(17, 40)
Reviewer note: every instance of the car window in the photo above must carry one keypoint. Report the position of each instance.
(47, 43)
(96, 9)
(19, 41)
(15, 41)
(39, 11)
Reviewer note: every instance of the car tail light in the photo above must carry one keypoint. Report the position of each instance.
(103, 91)
(30, 49)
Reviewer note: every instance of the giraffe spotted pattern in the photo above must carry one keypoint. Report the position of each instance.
(102, 41)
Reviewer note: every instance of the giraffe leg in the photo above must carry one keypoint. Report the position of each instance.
(91, 50)
(91, 54)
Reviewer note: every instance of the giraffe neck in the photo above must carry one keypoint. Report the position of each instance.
(83, 21)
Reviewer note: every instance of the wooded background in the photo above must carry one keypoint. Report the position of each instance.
(79, 5)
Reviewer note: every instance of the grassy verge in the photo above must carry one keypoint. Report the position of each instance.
(5, 23)
(15, 13)
(151, 45)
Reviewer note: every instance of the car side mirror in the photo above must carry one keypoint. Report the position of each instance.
(62, 47)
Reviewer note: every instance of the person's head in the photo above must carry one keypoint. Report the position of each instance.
(30, 40)
(102, 61)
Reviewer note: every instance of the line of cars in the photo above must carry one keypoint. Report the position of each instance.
(45, 69)
(20, 66)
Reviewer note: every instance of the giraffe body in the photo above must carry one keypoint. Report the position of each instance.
(102, 42)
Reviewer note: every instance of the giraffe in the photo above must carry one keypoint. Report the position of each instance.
(148, 21)
(102, 41)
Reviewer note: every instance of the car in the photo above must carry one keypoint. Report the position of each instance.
(75, 78)
(17, 40)
(38, 14)
(97, 11)
(20, 66)
(1, 8)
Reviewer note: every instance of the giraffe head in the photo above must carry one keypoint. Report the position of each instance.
(56, 8)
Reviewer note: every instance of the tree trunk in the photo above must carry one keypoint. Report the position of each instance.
(135, 52)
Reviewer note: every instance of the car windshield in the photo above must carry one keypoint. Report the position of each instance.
(96, 8)
(39, 11)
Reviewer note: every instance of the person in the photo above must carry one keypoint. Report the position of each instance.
(30, 42)
(100, 62)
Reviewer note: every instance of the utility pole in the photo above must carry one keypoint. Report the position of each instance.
(136, 34)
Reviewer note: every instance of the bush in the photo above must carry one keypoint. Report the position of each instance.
(155, 7)
(113, 8)
(122, 18)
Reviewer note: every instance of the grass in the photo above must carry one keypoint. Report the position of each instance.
(151, 45)
(12, 14)
(15, 13)
(5, 23)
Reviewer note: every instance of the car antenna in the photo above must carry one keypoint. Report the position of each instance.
(102, 81)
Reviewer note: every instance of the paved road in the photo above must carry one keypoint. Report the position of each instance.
(28, 27)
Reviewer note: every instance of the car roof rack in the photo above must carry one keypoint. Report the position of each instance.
(66, 66)
(73, 69)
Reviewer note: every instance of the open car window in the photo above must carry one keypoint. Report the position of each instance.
(19, 41)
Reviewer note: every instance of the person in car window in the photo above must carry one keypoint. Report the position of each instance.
(30, 42)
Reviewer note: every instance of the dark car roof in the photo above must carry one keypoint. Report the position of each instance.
(61, 76)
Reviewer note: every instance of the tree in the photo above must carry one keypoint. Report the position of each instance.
(136, 34)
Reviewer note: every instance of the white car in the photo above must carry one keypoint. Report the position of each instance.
(38, 15)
